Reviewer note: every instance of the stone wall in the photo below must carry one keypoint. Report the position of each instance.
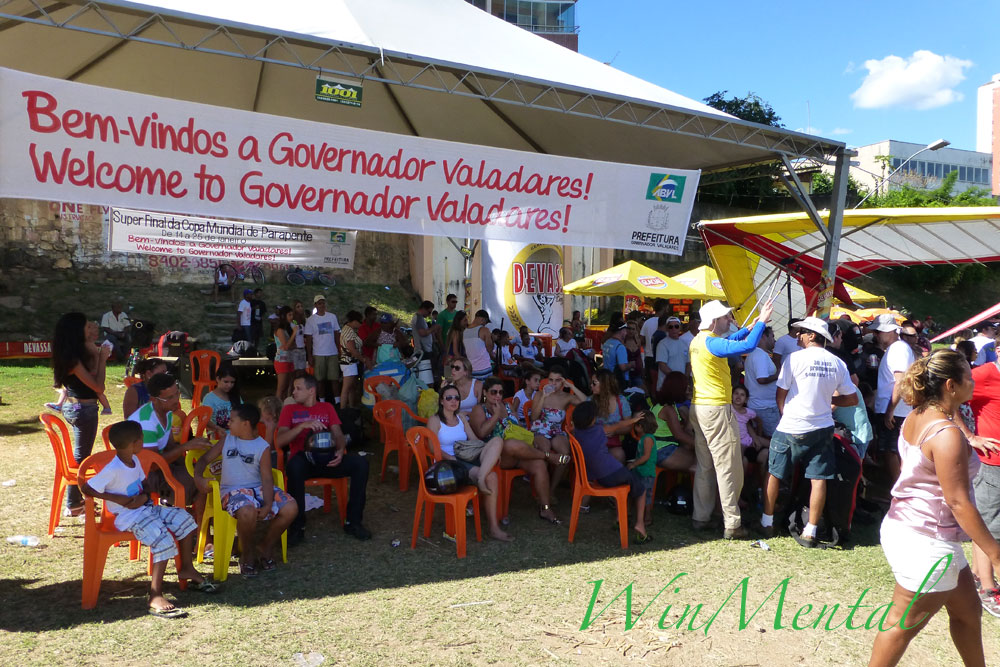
(41, 237)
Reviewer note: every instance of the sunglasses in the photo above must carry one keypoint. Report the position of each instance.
(449, 398)
(457, 367)
(673, 326)
(495, 392)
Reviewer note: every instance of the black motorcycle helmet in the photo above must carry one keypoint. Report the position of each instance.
(446, 477)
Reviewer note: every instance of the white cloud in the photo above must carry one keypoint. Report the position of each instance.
(810, 130)
(840, 130)
(925, 80)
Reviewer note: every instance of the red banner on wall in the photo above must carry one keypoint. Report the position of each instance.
(40, 349)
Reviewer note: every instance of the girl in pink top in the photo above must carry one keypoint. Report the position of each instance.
(932, 511)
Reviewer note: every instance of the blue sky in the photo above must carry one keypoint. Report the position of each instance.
(858, 72)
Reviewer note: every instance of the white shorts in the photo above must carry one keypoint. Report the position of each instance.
(913, 555)
(349, 370)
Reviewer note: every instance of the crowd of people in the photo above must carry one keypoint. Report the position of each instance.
(746, 414)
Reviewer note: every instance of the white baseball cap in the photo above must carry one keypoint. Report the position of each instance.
(712, 311)
(884, 322)
(815, 325)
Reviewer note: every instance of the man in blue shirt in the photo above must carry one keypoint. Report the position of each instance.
(616, 356)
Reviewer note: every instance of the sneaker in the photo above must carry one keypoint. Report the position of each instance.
(358, 531)
(764, 531)
(807, 542)
(990, 600)
(737, 533)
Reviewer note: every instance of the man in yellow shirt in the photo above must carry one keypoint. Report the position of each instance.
(716, 435)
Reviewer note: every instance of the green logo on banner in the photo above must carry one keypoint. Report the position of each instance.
(338, 237)
(338, 92)
(666, 188)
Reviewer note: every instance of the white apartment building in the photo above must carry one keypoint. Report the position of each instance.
(925, 171)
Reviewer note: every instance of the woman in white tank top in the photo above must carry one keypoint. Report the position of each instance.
(470, 389)
(450, 426)
(477, 353)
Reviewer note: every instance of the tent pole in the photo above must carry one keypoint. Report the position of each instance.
(834, 226)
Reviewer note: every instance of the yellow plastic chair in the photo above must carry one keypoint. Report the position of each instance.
(225, 524)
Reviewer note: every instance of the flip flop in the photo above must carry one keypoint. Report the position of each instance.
(642, 539)
(205, 586)
(175, 612)
(54, 407)
(267, 565)
(554, 520)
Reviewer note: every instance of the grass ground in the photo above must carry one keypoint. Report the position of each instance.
(369, 603)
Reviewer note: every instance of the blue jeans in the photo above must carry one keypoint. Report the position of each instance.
(82, 417)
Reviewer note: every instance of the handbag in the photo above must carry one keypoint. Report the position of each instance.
(468, 450)
(517, 432)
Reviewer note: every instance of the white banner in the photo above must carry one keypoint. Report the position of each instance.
(70, 141)
(523, 285)
(229, 241)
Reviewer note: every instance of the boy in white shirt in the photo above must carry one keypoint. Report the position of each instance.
(244, 312)
(122, 485)
(247, 489)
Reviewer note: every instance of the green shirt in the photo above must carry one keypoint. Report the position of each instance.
(647, 469)
(445, 318)
(154, 434)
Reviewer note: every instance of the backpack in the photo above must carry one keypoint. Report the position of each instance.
(841, 495)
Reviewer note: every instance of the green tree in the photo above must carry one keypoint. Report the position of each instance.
(747, 186)
(822, 184)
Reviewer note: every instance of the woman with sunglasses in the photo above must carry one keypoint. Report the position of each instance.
(490, 419)
(450, 425)
(471, 389)
(548, 412)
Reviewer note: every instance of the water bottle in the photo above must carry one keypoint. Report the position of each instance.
(23, 540)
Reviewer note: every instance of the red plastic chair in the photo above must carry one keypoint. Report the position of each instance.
(202, 373)
(427, 450)
(329, 485)
(66, 468)
(100, 535)
(105, 435)
(389, 416)
(583, 487)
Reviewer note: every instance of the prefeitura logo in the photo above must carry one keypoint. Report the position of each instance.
(666, 188)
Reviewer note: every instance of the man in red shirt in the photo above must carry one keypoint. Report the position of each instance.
(368, 332)
(297, 422)
(985, 406)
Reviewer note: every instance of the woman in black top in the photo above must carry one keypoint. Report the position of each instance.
(71, 354)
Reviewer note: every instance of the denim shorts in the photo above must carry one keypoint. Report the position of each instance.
(987, 490)
(813, 450)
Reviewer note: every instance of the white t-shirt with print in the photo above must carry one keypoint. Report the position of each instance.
(897, 358)
(241, 463)
(322, 328)
(759, 365)
(116, 477)
(811, 376)
(244, 310)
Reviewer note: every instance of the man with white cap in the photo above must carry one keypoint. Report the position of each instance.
(808, 385)
(890, 410)
(716, 434)
(985, 343)
(322, 333)
(672, 353)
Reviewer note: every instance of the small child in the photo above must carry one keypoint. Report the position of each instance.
(605, 469)
(508, 364)
(123, 486)
(645, 462)
(755, 447)
(247, 488)
(222, 399)
(532, 381)
(270, 410)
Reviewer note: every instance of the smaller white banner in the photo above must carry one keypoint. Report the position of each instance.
(229, 241)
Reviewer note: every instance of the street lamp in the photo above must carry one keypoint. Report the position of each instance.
(933, 146)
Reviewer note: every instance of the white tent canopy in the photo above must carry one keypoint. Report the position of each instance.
(436, 68)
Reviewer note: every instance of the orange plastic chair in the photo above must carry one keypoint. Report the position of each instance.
(198, 418)
(107, 438)
(426, 449)
(389, 415)
(374, 381)
(329, 485)
(515, 379)
(202, 374)
(100, 535)
(583, 487)
(66, 468)
(526, 412)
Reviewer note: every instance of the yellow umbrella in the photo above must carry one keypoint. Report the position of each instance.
(630, 278)
(860, 296)
(703, 280)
